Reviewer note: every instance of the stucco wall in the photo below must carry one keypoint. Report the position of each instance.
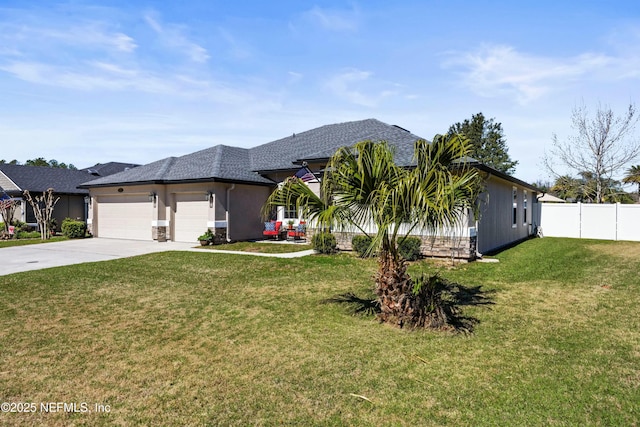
(245, 204)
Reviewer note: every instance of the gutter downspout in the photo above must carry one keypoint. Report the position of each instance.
(229, 189)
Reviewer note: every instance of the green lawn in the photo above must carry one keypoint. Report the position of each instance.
(188, 338)
(23, 242)
(268, 248)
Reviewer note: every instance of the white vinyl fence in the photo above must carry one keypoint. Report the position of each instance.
(591, 221)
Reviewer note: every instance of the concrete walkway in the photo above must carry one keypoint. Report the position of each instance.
(35, 257)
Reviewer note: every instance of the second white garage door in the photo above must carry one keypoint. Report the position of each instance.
(125, 217)
(190, 217)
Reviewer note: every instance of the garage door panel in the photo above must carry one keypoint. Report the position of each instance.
(190, 217)
(125, 217)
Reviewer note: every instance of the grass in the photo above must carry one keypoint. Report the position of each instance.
(267, 248)
(23, 242)
(210, 339)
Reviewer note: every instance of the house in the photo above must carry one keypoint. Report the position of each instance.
(105, 169)
(550, 198)
(224, 188)
(15, 179)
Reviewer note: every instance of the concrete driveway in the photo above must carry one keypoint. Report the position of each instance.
(35, 257)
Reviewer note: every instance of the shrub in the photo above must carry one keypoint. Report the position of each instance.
(208, 236)
(22, 226)
(28, 235)
(325, 243)
(73, 229)
(409, 248)
(361, 245)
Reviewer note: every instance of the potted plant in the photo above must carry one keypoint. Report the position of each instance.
(290, 224)
(206, 238)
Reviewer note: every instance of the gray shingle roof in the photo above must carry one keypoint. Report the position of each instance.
(216, 163)
(40, 178)
(104, 169)
(322, 142)
(241, 165)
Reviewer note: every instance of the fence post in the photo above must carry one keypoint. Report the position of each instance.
(580, 220)
(617, 218)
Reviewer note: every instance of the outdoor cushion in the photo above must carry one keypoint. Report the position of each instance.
(270, 226)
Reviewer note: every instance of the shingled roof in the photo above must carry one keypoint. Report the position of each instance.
(234, 164)
(104, 169)
(321, 143)
(219, 163)
(17, 178)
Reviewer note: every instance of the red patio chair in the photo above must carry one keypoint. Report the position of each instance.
(272, 229)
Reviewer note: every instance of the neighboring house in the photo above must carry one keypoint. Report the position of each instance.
(224, 188)
(550, 198)
(15, 179)
(106, 169)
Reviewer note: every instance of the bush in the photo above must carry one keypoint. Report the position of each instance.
(361, 245)
(28, 235)
(22, 226)
(208, 236)
(325, 243)
(73, 229)
(409, 248)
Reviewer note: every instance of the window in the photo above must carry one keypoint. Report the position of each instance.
(524, 207)
(514, 216)
(290, 213)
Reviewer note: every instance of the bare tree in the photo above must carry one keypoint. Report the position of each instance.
(43, 209)
(7, 211)
(602, 145)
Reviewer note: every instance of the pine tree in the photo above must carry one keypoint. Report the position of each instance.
(488, 143)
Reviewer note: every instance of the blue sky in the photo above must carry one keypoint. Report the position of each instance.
(87, 82)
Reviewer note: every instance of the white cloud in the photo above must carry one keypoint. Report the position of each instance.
(238, 50)
(358, 87)
(41, 36)
(294, 77)
(123, 42)
(333, 19)
(174, 36)
(502, 70)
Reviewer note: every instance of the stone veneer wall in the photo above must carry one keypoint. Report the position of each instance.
(160, 233)
(461, 248)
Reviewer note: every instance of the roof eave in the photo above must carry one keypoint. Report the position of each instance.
(507, 177)
(178, 181)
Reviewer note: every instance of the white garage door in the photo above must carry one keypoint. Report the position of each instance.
(125, 217)
(190, 218)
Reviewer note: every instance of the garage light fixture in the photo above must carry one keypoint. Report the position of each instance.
(209, 198)
(153, 197)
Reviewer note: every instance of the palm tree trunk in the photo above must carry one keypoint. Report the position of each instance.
(394, 290)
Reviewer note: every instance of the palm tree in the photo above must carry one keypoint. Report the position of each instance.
(363, 186)
(633, 177)
(568, 188)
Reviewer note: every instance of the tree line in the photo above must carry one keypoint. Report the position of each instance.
(40, 161)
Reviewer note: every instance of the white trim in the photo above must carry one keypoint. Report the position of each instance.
(525, 207)
(514, 207)
(216, 224)
(17, 188)
(160, 223)
(89, 221)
